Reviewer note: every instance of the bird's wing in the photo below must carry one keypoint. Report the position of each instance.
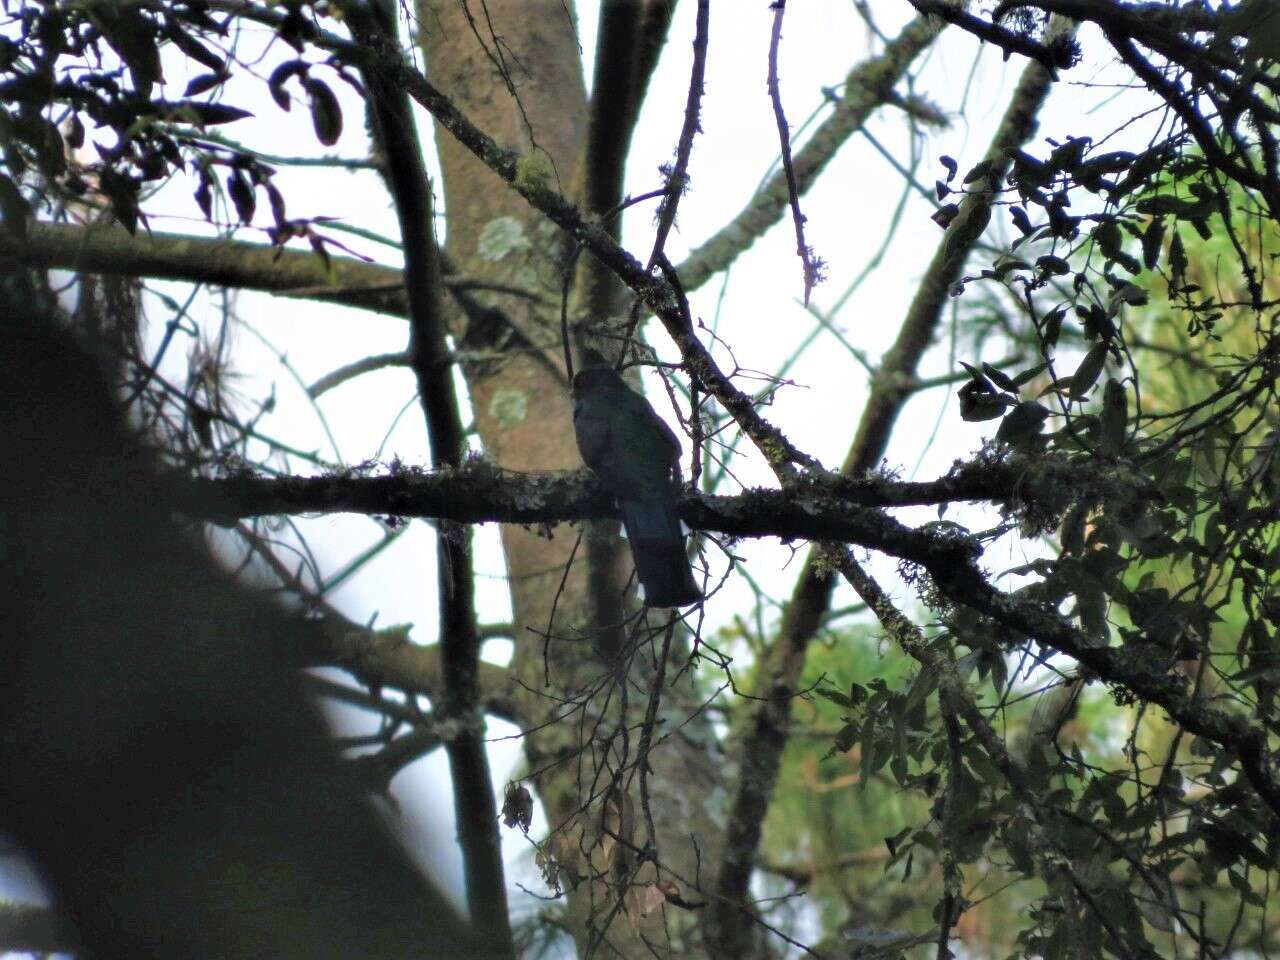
(638, 408)
(591, 428)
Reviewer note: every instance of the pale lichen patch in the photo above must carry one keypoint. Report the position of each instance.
(509, 407)
(501, 237)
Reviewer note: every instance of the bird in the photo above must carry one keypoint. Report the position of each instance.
(636, 457)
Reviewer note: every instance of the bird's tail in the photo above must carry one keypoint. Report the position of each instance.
(657, 548)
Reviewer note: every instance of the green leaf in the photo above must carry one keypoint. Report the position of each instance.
(1022, 425)
(977, 402)
(925, 683)
(132, 36)
(203, 83)
(1108, 238)
(1113, 420)
(1055, 266)
(1052, 327)
(195, 49)
(1026, 376)
(1178, 261)
(834, 695)
(212, 114)
(1090, 369)
(1000, 378)
(844, 740)
(1152, 239)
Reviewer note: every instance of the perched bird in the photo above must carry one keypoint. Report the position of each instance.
(636, 457)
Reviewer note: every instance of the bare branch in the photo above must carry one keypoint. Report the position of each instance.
(108, 248)
(677, 178)
(362, 366)
(867, 87)
(406, 175)
(1049, 57)
(764, 732)
(812, 265)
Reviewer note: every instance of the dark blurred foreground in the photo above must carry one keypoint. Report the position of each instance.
(157, 756)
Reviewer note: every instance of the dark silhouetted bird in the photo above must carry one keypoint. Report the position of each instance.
(636, 457)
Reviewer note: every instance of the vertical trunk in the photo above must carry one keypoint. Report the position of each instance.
(516, 71)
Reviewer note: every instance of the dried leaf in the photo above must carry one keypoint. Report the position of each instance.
(74, 134)
(517, 807)
(639, 902)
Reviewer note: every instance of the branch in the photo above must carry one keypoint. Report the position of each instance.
(892, 386)
(1051, 57)
(127, 756)
(527, 179)
(358, 368)
(407, 181)
(811, 513)
(677, 179)
(629, 39)
(109, 248)
(1170, 91)
(480, 492)
(812, 265)
(388, 658)
(380, 768)
(764, 734)
(867, 87)
(406, 174)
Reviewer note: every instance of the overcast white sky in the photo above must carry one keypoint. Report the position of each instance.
(848, 213)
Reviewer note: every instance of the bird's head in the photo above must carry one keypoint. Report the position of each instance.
(596, 378)
(595, 373)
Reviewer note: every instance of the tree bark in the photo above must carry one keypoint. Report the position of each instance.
(515, 72)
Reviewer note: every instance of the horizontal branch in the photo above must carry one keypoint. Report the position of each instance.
(109, 248)
(388, 658)
(812, 510)
(1049, 56)
(481, 492)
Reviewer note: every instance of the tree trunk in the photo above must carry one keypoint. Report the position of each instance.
(518, 76)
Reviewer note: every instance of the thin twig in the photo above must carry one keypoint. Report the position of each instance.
(678, 178)
(813, 266)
